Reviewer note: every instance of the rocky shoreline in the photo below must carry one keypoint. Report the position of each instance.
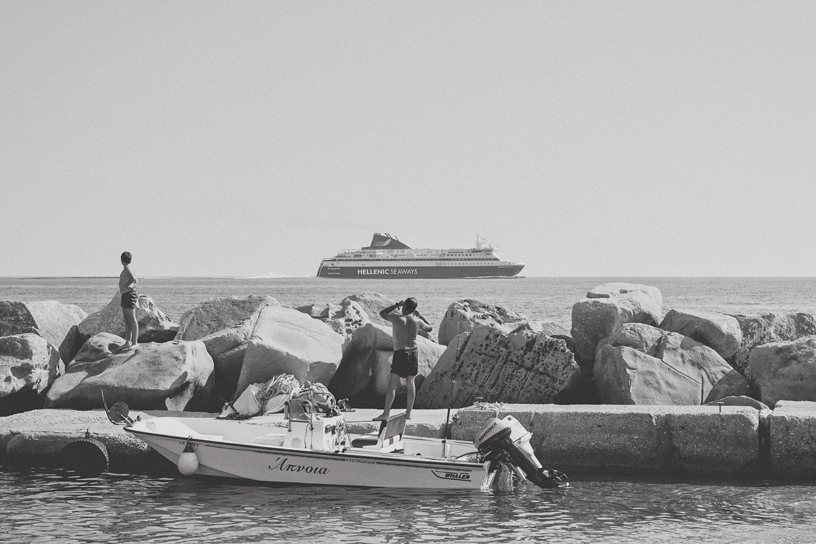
(631, 387)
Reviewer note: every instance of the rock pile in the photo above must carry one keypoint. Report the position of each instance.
(766, 328)
(641, 364)
(224, 325)
(362, 376)
(620, 349)
(606, 308)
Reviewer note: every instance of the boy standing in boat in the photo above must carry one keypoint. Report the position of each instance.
(405, 361)
(130, 299)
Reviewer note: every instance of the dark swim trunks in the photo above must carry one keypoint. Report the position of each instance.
(130, 299)
(405, 363)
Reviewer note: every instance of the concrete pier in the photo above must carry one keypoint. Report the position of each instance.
(638, 440)
(677, 441)
(793, 440)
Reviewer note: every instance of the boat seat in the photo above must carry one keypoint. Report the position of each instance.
(389, 436)
(365, 441)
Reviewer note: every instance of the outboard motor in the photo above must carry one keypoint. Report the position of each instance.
(507, 441)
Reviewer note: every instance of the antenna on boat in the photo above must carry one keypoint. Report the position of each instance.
(450, 398)
(447, 421)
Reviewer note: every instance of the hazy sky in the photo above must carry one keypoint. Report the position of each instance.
(246, 138)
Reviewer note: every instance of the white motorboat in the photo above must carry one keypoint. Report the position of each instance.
(315, 449)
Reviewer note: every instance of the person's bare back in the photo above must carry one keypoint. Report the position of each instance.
(407, 325)
(405, 330)
(404, 362)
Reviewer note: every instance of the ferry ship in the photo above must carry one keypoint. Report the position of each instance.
(387, 257)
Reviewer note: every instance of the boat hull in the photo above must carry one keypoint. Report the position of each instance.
(417, 272)
(354, 467)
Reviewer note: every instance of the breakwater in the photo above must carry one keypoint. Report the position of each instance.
(677, 441)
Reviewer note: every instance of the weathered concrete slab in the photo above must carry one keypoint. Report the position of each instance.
(637, 440)
(793, 440)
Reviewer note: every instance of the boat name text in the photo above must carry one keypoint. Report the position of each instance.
(386, 271)
(445, 475)
(283, 465)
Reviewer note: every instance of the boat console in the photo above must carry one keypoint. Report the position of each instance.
(311, 430)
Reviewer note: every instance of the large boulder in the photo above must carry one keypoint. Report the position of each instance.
(467, 314)
(639, 364)
(639, 336)
(550, 328)
(50, 319)
(343, 318)
(767, 328)
(98, 347)
(154, 325)
(784, 370)
(286, 341)
(605, 309)
(373, 303)
(522, 367)
(225, 325)
(720, 332)
(166, 376)
(28, 365)
(218, 314)
(717, 378)
(625, 375)
(362, 376)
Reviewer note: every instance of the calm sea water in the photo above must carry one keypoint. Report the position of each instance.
(46, 507)
(49, 506)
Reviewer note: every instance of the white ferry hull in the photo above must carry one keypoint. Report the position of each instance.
(388, 258)
(417, 272)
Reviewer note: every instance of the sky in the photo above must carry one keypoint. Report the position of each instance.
(244, 138)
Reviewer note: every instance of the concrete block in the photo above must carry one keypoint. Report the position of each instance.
(714, 442)
(635, 440)
(793, 440)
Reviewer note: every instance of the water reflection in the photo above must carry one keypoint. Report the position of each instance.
(44, 506)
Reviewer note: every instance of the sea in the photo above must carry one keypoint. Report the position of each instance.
(45, 505)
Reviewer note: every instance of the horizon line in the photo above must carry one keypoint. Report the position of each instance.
(284, 277)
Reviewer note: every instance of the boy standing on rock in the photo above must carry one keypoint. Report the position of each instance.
(405, 360)
(130, 299)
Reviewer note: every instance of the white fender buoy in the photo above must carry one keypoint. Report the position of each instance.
(188, 461)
